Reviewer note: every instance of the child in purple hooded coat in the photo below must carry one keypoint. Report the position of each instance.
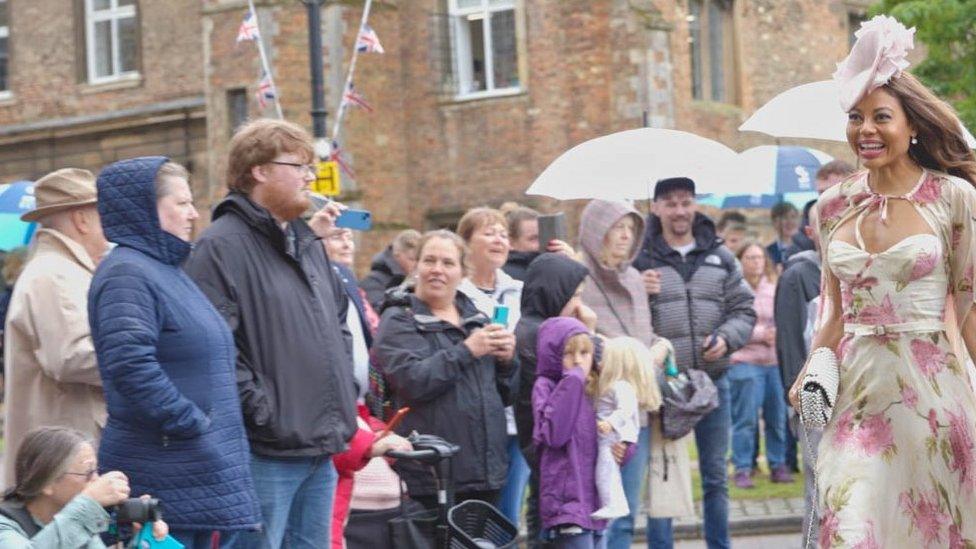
(565, 435)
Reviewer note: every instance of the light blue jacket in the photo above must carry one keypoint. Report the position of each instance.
(76, 526)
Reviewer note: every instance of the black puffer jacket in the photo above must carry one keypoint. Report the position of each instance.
(550, 283)
(450, 393)
(702, 294)
(287, 311)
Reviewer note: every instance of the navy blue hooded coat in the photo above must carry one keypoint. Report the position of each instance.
(167, 358)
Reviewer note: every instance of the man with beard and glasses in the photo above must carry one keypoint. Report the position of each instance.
(268, 274)
(700, 303)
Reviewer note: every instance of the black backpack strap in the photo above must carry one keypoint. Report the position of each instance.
(17, 512)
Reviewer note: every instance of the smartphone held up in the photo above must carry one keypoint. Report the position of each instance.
(500, 316)
(350, 218)
(551, 227)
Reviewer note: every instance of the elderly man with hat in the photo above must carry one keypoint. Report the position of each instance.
(51, 372)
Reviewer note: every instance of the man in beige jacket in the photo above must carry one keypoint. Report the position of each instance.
(51, 372)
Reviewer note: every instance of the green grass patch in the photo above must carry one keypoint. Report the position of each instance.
(765, 489)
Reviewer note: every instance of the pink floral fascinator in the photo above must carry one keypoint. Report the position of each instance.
(878, 55)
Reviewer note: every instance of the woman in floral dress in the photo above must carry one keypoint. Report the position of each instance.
(897, 462)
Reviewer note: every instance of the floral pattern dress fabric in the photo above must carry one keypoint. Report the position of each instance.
(897, 462)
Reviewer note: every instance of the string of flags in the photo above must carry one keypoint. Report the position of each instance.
(265, 91)
(367, 41)
(337, 157)
(352, 97)
(249, 31)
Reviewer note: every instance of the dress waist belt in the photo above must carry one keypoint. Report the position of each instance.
(885, 329)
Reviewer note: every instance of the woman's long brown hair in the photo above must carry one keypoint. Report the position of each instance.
(941, 143)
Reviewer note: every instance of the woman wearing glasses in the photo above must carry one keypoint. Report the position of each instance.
(167, 361)
(59, 499)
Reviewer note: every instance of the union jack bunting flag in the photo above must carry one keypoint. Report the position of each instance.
(336, 155)
(368, 41)
(352, 97)
(249, 28)
(265, 92)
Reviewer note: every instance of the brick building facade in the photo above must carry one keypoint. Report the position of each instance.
(84, 84)
(472, 99)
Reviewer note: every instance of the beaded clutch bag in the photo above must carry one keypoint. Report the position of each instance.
(819, 391)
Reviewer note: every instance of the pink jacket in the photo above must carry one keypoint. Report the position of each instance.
(761, 348)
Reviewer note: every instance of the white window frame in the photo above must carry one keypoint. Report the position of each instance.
(113, 14)
(462, 47)
(728, 62)
(5, 33)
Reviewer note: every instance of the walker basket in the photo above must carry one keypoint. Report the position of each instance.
(477, 525)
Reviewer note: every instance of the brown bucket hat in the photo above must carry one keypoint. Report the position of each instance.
(60, 190)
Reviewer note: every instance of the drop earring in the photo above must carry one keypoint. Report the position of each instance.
(914, 140)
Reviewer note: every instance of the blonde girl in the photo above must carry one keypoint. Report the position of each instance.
(625, 388)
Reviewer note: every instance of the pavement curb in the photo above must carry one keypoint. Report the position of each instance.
(743, 526)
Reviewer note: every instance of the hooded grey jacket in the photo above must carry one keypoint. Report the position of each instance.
(616, 295)
(702, 294)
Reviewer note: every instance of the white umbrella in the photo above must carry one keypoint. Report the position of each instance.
(627, 164)
(809, 111)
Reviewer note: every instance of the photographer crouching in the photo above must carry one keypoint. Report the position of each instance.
(59, 500)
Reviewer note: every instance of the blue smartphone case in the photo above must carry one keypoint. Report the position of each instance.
(357, 220)
(500, 316)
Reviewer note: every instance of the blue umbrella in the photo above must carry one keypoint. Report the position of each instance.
(781, 169)
(745, 201)
(780, 173)
(15, 199)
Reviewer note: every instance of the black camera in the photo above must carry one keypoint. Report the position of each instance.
(138, 510)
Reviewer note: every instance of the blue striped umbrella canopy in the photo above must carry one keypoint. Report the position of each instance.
(746, 201)
(15, 199)
(781, 169)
